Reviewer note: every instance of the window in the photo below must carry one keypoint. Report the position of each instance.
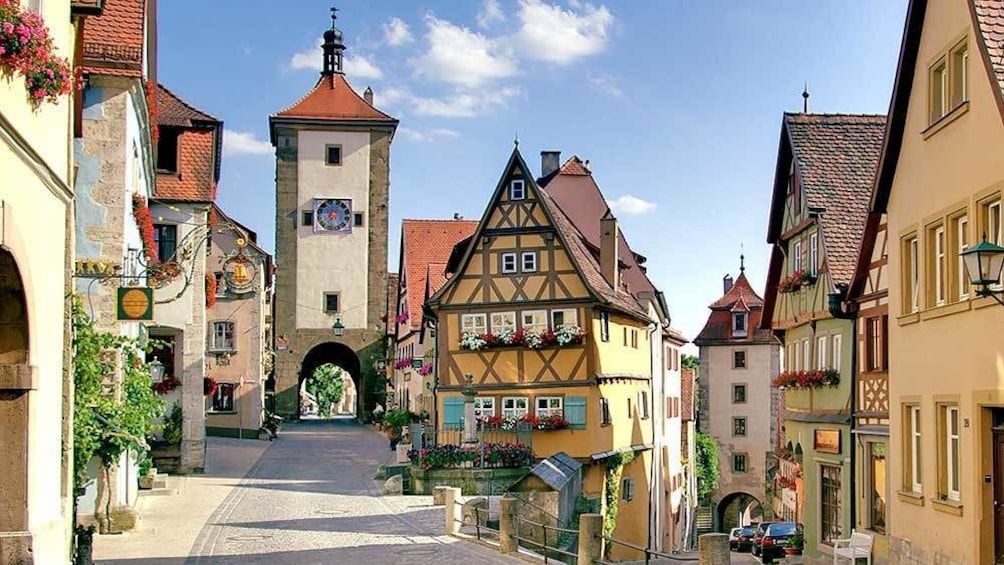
(221, 285)
(503, 321)
(877, 485)
(643, 404)
(625, 337)
(739, 427)
(529, 261)
(517, 190)
(627, 489)
(223, 399)
(912, 252)
(604, 326)
(34, 6)
(515, 407)
(797, 259)
(961, 244)
(992, 221)
(484, 407)
(739, 359)
(331, 302)
(604, 412)
(357, 219)
(739, 463)
(950, 452)
(821, 359)
(223, 337)
(874, 356)
(634, 339)
(564, 318)
(534, 320)
(508, 263)
(165, 238)
(937, 269)
(308, 218)
(939, 90)
(835, 349)
(830, 507)
(960, 74)
(814, 254)
(333, 155)
(738, 394)
(806, 354)
(629, 412)
(739, 324)
(669, 358)
(549, 406)
(167, 149)
(474, 323)
(913, 449)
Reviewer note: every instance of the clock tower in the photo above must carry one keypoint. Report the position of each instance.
(332, 150)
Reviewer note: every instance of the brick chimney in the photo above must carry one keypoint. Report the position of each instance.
(550, 161)
(368, 95)
(609, 248)
(727, 283)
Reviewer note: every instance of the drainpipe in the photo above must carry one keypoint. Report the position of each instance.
(842, 309)
(657, 489)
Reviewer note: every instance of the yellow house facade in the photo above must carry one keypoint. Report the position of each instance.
(940, 183)
(528, 272)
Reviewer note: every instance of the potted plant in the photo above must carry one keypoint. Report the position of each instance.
(794, 544)
(394, 423)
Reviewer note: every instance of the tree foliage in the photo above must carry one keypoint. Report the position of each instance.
(327, 386)
(707, 467)
(106, 424)
(615, 470)
(689, 361)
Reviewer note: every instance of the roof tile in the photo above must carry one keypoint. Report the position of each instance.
(990, 18)
(333, 98)
(113, 41)
(427, 243)
(718, 329)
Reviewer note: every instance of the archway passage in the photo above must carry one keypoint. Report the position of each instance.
(738, 509)
(341, 356)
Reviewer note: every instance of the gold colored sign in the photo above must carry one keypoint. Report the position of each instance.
(135, 303)
(827, 441)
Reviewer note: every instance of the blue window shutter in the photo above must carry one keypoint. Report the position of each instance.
(453, 413)
(575, 411)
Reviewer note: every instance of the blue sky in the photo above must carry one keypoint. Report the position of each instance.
(677, 104)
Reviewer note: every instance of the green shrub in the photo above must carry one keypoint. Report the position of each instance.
(172, 425)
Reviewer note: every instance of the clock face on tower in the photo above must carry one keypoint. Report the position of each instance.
(332, 215)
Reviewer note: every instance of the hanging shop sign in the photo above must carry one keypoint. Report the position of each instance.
(135, 304)
(827, 441)
(239, 271)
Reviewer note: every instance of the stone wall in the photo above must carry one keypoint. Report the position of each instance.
(469, 481)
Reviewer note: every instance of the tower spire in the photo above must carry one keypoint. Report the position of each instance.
(805, 98)
(333, 48)
(742, 259)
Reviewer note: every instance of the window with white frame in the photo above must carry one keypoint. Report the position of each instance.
(223, 337)
(534, 320)
(962, 238)
(643, 404)
(508, 263)
(529, 262)
(566, 317)
(474, 323)
(814, 254)
(806, 354)
(517, 189)
(914, 274)
(548, 406)
(739, 324)
(952, 451)
(835, 351)
(484, 407)
(223, 398)
(604, 326)
(797, 258)
(994, 222)
(913, 449)
(821, 360)
(515, 406)
(502, 321)
(939, 260)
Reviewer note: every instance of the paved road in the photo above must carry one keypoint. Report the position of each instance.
(312, 499)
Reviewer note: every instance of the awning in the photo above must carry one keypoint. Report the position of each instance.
(607, 454)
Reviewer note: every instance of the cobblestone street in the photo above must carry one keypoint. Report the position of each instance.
(309, 499)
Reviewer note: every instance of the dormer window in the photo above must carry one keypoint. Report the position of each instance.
(739, 324)
(517, 190)
(167, 149)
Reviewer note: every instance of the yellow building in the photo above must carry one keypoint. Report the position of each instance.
(544, 326)
(940, 182)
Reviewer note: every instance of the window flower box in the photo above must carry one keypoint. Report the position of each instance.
(531, 421)
(425, 370)
(403, 363)
(807, 379)
(795, 281)
(25, 47)
(564, 336)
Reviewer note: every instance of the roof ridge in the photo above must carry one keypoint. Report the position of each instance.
(439, 220)
(835, 115)
(186, 103)
(301, 99)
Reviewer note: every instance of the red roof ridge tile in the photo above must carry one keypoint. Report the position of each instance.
(336, 105)
(199, 114)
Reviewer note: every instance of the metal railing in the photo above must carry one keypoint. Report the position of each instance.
(649, 554)
(546, 549)
(481, 527)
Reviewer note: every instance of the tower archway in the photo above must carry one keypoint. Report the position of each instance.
(738, 509)
(337, 354)
(14, 342)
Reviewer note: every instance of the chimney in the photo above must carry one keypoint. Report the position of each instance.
(727, 282)
(609, 248)
(550, 161)
(457, 216)
(368, 95)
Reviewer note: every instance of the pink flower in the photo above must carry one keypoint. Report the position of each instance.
(8, 27)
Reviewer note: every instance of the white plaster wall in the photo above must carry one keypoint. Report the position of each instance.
(136, 182)
(327, 262)
(178, 313)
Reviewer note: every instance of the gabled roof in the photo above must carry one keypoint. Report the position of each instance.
(331, 100)
(740, 298)
(199, 148)
(113, 42)
(425, 243)
(741, 289)
(989, 23)
(836, 156)
(173, 111)
(435, 279)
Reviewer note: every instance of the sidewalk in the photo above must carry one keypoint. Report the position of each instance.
(172, 522)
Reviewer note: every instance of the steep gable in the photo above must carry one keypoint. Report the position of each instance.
(425, 243)
(740, 298)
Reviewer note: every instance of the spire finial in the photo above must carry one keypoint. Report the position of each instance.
(742, 259)
(805, 98)
(515, 140)
(334, 16)
(333, 48)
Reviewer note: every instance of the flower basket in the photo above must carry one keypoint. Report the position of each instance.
(209, 386)
(403, 363)
(210, 290)
(565, 336)
(807, 379)
(166, 385)
(25, 47)
(425, 370)
(795, 281)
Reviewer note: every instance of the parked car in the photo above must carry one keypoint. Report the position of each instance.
(734, 538)
(746, 538)
(773, 541)
(757, 535)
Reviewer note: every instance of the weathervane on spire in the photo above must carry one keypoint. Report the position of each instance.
(742, 259)
(333, 48)
(515, 140)
(334, 16)
(805, 98)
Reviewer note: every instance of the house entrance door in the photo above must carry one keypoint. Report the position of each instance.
(999, 496)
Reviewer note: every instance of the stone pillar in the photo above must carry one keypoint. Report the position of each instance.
(452, 503)
(713, 549)
(590, 538)
(470, 421)
(507, 527)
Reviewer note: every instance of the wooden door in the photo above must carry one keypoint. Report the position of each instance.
(999, 497)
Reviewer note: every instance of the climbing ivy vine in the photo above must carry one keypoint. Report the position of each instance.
(615, 470)
(707, 467)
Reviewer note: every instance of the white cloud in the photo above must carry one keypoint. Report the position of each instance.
(464, 104)
(361, 67)
(490, 12)
(396, 32)
(429, 135)
(631, 205)
(385, 98)
(550, 33)
(460, 56)
(309, 59)
(605, 83)
(356, 66)
(244, 143)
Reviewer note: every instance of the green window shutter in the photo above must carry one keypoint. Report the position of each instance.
(575, 411)
(453, 413)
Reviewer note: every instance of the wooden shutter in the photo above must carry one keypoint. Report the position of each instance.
(575, 411)
(453, 413)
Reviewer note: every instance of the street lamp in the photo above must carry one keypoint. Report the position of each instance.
(156, 370)
(984, 262)
(338, 327)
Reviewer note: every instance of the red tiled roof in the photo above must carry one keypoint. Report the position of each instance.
(990, 23)
(424, 243)
(718, 329)
(173, 111)
(333, 98)
(436, 278)
(198, 150)
(837, 156)
(113, 41)
(739, 288)
(574, 166)
(687, 395)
